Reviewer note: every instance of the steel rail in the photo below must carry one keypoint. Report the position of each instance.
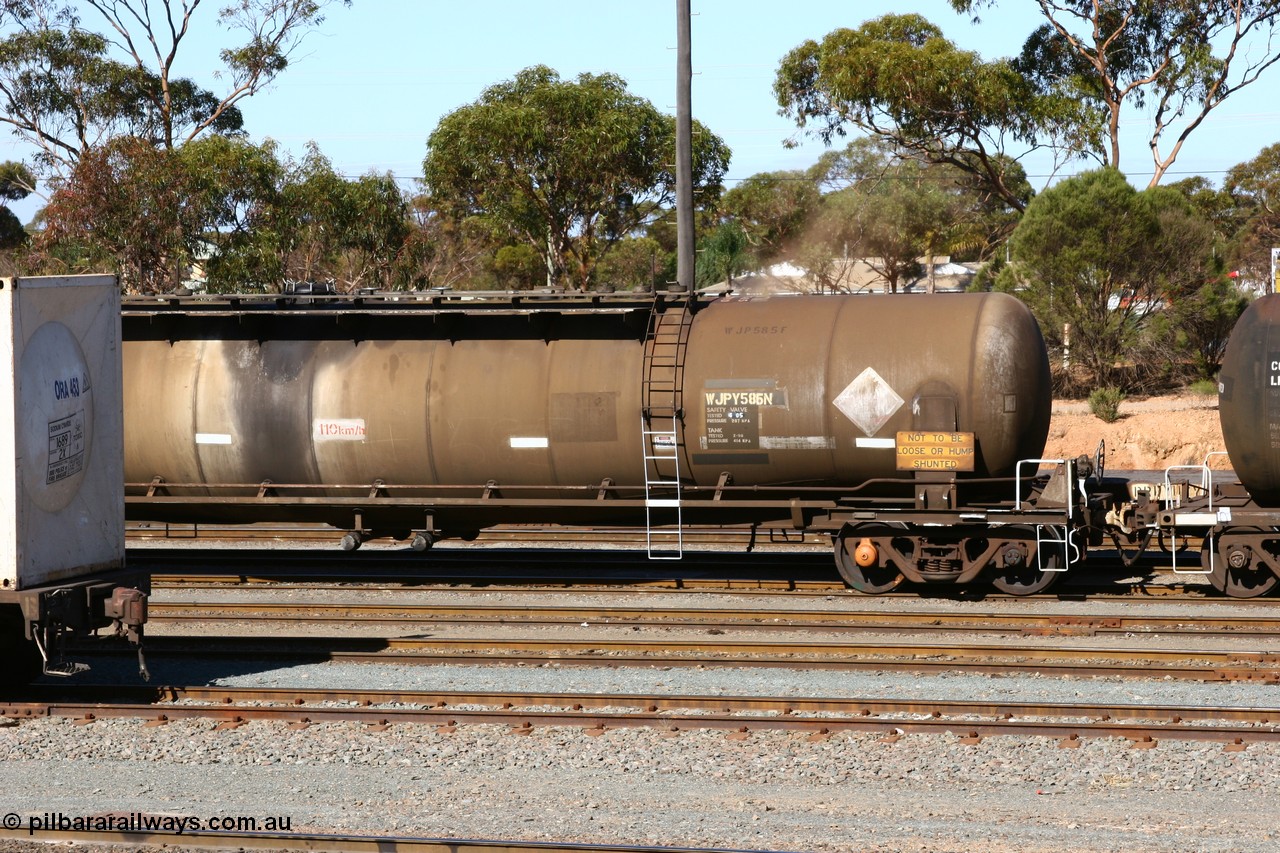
(654, 703)
(1142, 594)
(484, 647)
(202, 840)
(1224, 671)
(734, 618)
(524, 583)
(720, 649)
(824, 716)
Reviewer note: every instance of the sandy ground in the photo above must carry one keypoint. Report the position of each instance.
(1151, 434)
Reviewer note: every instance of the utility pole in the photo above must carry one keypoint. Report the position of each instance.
(684, 150)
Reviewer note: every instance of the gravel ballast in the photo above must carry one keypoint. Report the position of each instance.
(773, 790)
(705, 788)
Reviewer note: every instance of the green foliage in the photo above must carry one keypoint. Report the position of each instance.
(1081, 257)
(568, 167)
(634, 263)
(1204, 387)
(897, 78)
(723, 255)
(65, 89)
(771, 210)
(1105, 403)
(307, 223)
(1202, 321)
(12, 234)
(890, 207)
(443, 251)
(126, 204)
(234, 208)
(1252, 195)
(1129, 281)
(16, 181)
(519, 267)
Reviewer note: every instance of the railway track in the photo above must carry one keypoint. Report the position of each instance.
(741, 714)
(1042, 660)
(720, 618)
(1138, 595)
(1206, 644)
(271, 841)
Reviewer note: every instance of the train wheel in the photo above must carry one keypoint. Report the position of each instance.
(1034, 575)
(1235, 572)
(873, 579)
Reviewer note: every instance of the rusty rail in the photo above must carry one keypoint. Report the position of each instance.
(1190, 665)
(743, 714)
(335, 843)
(755, 619)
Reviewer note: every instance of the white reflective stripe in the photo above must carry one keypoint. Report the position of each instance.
(874, 442)
(662, 502)
(213, 438)
(528, 441)
(797, 442)
(1199, 519)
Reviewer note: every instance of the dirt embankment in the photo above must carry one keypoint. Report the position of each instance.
(1151, 434)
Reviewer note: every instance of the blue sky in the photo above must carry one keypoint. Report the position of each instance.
(370, 85)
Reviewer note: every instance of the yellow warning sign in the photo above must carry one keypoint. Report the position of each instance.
(935, 451)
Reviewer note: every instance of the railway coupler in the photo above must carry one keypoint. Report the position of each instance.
(54, 617)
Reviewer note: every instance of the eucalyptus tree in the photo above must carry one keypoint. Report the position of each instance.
(74, 74)
(125, 206)
(723, 254)
(16, 183)
(770, 210)
(1131, 273)
(1172, 60)
(305, 222)
(567, 167)
(150, 213)
(898, 79)
(1253, 188)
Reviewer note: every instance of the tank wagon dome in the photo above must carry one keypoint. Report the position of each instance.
(1249, 399)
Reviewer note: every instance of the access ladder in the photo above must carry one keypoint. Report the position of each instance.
(662, 399)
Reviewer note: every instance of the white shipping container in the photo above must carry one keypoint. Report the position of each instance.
(61, 429)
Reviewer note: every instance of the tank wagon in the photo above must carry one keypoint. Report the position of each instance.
(898, 425)
(1238, 522)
